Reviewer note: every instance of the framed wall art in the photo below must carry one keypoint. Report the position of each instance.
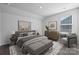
(52, 25)
(24, 25)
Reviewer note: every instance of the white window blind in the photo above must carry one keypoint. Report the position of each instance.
(66, 24)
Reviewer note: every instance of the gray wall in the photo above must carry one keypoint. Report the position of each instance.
(9, 23)
(0, 27)
(57, 17)
(78, 27)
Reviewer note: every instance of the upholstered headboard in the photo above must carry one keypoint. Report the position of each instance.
(25, 33)
(18, 34)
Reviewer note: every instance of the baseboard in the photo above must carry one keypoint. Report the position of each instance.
(6, 45)
(3, 44)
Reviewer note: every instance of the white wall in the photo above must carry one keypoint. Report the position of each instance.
(10, 22)
(58, 16)
(0, 26)
(78, 27)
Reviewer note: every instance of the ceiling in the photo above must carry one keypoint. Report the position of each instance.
(44, 9)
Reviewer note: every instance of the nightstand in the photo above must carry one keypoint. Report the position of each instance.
(13, 39)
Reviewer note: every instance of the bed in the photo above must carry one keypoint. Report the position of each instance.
(33, 44)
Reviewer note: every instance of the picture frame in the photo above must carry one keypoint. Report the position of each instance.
(52, 25)
(24, 25)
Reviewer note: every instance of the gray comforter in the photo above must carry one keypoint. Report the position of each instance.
(37, 45)
(34, 44)
(21, 40)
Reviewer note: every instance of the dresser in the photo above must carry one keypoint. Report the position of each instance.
(53, 35)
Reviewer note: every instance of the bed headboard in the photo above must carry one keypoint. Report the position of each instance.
(25, 33)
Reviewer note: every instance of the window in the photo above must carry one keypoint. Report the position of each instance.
(66, 24)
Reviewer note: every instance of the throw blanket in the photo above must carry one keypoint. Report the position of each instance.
(35, 40)
(36, 45)
(21, 40)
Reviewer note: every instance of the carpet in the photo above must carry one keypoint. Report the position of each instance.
(73, 50)
(14, 50)
(57, 49)
(68, 51)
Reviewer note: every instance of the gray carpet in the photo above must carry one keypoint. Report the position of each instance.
(68, 51)
(73, 50)
(57, 49)
(14, 50)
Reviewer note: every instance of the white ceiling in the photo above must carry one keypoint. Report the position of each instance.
(44, 9)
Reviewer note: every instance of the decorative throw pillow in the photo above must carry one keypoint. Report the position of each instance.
(25, 34)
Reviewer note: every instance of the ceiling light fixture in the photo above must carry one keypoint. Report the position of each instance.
(41, 7)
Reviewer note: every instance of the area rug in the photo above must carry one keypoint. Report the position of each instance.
(68, 51)
(14, 50)
(57, 49)
(73, 50)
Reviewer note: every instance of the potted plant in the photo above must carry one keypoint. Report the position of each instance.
(47, 28)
